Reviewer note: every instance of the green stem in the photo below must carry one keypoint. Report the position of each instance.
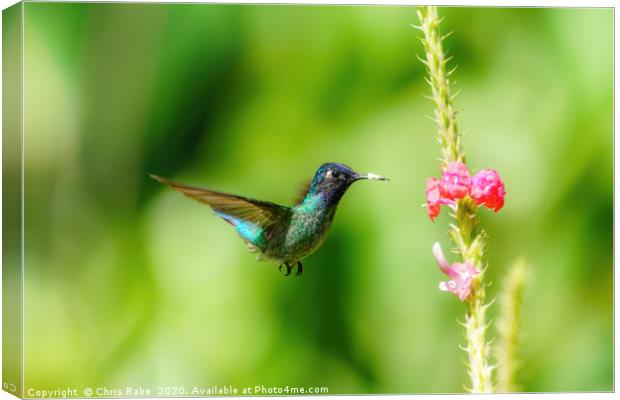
(439, 80)
(468, 236)
(470, 239)
(508, 327)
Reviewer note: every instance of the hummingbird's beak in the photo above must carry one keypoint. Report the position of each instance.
(372, 177)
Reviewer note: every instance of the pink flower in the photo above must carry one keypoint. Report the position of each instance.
(488, 189)
(434, 198)
(461, 274)
(455, 181)
(433, 210)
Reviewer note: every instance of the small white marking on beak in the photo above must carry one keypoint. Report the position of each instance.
(375, 177)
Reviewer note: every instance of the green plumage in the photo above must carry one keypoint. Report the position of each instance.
(280, 233)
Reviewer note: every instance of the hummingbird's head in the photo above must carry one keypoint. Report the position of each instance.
(333, 179)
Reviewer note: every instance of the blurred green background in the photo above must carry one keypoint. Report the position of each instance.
(130, 283)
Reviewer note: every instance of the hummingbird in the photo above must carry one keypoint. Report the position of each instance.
(281, 233)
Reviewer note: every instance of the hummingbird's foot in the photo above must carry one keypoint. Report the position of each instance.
(300, 268)
(288, 268)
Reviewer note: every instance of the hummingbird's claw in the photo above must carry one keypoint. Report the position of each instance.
(289, 268)
(300, 268)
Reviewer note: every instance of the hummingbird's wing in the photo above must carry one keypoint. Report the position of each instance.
(303, 191)
(256, 221)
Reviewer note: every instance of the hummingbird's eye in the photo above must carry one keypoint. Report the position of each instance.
(336, 174)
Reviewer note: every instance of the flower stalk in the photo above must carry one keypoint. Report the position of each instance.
(507, 353)
(470, 240)
(439, 80)
(454, 189)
